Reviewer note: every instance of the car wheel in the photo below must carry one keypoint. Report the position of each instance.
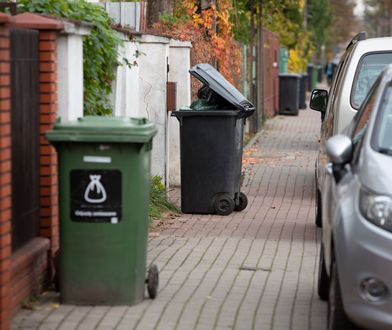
(337, 318)
(323, 278)
(318, 220)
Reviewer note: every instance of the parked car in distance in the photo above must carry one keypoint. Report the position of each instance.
(359, 66)
(355, 269)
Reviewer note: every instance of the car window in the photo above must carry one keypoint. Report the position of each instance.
(363, 115)
(337, 75)
(360, 121)
(383, 130)
(336, 80)
(370, 66)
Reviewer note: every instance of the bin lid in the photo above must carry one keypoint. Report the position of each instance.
(103, 129)
(209, 76)
(290, 75)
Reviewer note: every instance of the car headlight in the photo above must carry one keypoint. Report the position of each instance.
(376, 208)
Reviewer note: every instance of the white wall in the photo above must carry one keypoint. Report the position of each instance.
(125, 97)
(179, 63)
(152, 95)
(70, 70)
(127, 14)
(141, 92)
(70, 76)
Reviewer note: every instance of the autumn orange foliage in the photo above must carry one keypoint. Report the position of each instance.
(210, 32)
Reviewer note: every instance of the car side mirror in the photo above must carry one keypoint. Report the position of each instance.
(318, 100)
(339, 149)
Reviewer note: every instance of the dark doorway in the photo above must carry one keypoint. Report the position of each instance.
(25, 135)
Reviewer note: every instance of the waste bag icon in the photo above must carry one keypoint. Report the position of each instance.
(95, 192)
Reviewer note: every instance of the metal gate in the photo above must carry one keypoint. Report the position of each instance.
(25, 135)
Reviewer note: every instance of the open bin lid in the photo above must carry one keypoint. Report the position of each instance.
(210, 77)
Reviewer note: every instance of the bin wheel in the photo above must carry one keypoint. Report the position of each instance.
(224, 204)
(152, 281)
(242, 202)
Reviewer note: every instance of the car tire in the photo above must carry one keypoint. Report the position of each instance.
(323, 278)
(337, 318)
(318, 220)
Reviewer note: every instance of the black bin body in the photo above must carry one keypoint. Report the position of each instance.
(320, 73)
(211, 157)
(303, 87)
(289, 93)
(211, 140)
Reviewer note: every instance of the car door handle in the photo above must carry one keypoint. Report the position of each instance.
(329, 168)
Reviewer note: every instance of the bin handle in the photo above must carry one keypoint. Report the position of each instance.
(247, 112)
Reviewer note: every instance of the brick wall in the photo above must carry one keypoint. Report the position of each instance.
(5, 177)
(48, 158)
(31, 264)
(22, 272)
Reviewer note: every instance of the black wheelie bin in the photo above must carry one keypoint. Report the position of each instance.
(303, 86)
(289, 93)
(211, 139)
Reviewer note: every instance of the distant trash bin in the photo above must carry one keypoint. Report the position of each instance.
(283, 60)
(211, 139)
(310, 77)
(104, 184)
(320, 73)
(302, 90)
(289, 93)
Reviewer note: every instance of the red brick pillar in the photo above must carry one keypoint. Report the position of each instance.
(5, 175)
(29, 264)
(48, 111)
(48, 158)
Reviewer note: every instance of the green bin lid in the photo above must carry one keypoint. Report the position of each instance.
(103, 129)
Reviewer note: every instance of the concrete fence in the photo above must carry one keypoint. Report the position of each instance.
(141, 91)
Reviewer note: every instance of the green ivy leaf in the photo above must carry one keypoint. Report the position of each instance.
(99, 48)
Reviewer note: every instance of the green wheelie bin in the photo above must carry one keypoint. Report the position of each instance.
(104, 185)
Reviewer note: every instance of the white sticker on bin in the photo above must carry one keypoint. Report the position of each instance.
(96, 159)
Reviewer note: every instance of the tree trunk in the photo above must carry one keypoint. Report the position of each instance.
(155, 8)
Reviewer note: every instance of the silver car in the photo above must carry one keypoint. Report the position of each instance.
(361, 63)
(355, 272)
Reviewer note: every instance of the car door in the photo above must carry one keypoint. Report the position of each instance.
(330, 195)
(327, 124)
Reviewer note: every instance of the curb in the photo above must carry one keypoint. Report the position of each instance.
(253, 140)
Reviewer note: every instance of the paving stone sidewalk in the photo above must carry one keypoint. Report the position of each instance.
(255, 269)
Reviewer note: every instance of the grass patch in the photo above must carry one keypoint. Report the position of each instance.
(159, 203)
(30, 303)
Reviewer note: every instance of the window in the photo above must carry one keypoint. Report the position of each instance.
(363, 115)
(382, 137)
(368, 70)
